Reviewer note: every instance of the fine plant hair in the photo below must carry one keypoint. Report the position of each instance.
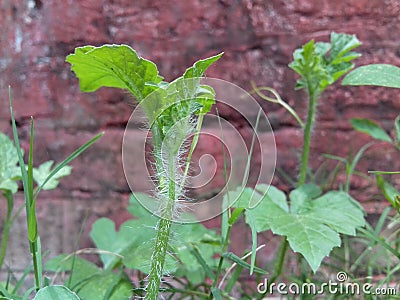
(169, 108)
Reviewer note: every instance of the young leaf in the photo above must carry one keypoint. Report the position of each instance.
(371, 128)
(116, 66)
(41, 173)
(321, 64)
(9, 170)
(374, 74)
(55, 292)
(198, 69)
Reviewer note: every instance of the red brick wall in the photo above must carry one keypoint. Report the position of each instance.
(258, 38)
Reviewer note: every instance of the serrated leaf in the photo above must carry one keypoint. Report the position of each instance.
(321, 64)
(371, 128)
(342, 44)
(116, 66)
(374, 74)
(41, 173)
(9, 169)
(55, 292)
(313, 224)
(247, 198)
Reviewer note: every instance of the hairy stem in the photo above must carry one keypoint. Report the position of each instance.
(163, 232)
(307, 135)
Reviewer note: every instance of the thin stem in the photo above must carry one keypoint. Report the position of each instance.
(221, 259)
(35, 259)
(277, 99)
(307, 136)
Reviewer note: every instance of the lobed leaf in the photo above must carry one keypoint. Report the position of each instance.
(312, 224)
(41, 173)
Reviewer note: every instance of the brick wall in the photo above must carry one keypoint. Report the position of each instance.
(258, 38)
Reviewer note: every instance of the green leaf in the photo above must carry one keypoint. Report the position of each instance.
(242, 263)
(9, 170)
(397, 130)
(116, 66)
(41, 173)
(55, 292)
(313, 223)
(198, 69)
(136, 237)
(374, 74)
(389, 191)
(299, 198)
(371, 128)
(321, 64)
(216, 292)
(131, 234)
(89, 281)
(116, 286)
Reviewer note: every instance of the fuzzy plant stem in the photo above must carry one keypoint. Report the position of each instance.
(158, 258)
(163, 226)
(307, 135)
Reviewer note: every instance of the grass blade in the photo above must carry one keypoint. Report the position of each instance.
(196, 253)
(242, 263)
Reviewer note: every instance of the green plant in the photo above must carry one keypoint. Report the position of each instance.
(312, 223)
(46, 178)
(169, 109)
(167, 104)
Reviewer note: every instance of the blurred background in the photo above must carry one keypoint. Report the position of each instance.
(258, 38)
